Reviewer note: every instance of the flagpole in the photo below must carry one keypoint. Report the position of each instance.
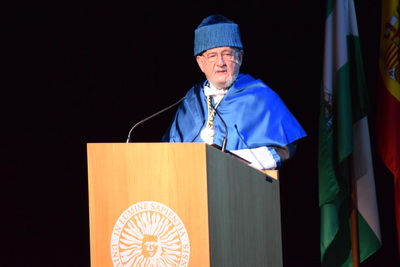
(354, 214)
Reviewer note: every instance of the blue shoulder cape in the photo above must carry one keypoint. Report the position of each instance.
(254, 114)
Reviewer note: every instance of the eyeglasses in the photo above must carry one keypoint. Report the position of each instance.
(226, 56)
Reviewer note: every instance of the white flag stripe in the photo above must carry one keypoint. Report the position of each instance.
(364, 174)
(336, 41)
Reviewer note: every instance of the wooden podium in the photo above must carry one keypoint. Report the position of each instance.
(180, 204)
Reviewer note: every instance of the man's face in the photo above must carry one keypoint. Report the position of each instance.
(221, 65)
(150, 245)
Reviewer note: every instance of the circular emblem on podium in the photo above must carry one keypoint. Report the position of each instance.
(149, 234)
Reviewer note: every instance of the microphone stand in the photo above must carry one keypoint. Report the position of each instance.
(223, 148)
(148, 118)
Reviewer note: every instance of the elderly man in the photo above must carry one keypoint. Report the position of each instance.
(260, 127)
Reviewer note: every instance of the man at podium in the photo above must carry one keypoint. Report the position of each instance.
(230, 109)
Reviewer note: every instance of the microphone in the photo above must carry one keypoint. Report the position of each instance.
(223, 148)
(150, 117)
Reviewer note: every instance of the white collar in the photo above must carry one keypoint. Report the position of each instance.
(211, 90)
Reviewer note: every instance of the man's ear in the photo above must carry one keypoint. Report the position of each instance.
(240, 57)
(200, 62)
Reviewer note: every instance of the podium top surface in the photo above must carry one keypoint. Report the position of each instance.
(274, 174)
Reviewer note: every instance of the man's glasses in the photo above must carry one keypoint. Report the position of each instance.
(226, 56)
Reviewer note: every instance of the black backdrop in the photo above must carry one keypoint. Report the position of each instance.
(86, 73)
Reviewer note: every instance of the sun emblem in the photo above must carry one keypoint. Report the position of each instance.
(149, 234)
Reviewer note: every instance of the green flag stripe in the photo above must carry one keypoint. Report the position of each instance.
(329, 6)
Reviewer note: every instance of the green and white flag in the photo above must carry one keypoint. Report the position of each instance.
(344, 144)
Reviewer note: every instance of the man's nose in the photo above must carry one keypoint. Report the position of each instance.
(220, 59)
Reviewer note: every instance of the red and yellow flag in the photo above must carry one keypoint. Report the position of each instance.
(388, 108)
